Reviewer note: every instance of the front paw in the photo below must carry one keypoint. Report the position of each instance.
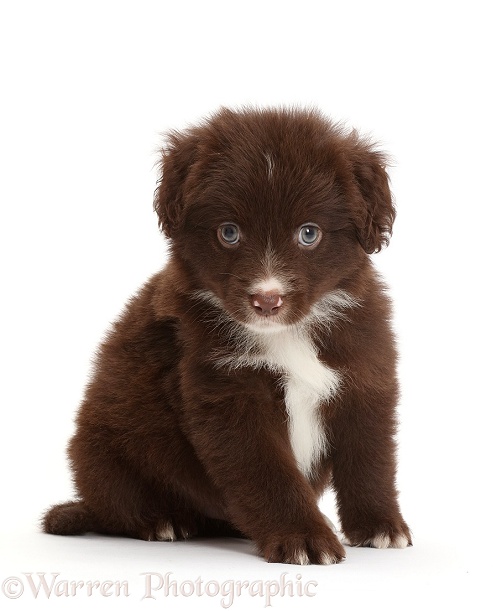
(381, 536)
(316, 548)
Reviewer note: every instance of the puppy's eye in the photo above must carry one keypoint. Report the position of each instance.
(228, 234)
(309, 235)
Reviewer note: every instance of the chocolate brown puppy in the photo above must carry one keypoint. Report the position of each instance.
(258, 368)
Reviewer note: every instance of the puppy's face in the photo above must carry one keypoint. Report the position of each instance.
(273, 212)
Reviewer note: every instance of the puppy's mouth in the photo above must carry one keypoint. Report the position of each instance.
(275, 312)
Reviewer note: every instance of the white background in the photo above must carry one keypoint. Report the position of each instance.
(86, 90)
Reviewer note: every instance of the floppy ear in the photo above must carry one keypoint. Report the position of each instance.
(375, 211)
(176, 159)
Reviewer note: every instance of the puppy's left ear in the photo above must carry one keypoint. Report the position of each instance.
(375, 211)
(177, 157)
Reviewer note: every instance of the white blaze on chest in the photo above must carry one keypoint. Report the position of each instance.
(308, 382)
(291, 353)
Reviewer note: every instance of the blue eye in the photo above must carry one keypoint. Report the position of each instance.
(309, 235)
(228, 234)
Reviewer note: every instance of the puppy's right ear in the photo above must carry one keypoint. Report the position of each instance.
(176, 159)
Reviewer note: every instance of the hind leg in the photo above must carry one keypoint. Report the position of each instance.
(144, 512)
(75, 518)
(116, 500)
(173, 519)
(143, 502)
(155, 523)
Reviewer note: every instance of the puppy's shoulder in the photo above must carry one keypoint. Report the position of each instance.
(167, 292)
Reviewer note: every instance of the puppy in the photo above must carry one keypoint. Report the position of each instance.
(258, 368)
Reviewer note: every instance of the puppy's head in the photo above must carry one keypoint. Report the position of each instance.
(272, 211)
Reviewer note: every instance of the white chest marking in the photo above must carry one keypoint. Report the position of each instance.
(307, 383)
(291, 353)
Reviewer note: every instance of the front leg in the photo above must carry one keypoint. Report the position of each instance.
(364, 469)
(240, 435)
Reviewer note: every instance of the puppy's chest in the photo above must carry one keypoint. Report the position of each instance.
(307, 383)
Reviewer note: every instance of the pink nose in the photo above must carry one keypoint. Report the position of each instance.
(266, 304)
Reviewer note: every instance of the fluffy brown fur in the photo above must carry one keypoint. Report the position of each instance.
(258, 367)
